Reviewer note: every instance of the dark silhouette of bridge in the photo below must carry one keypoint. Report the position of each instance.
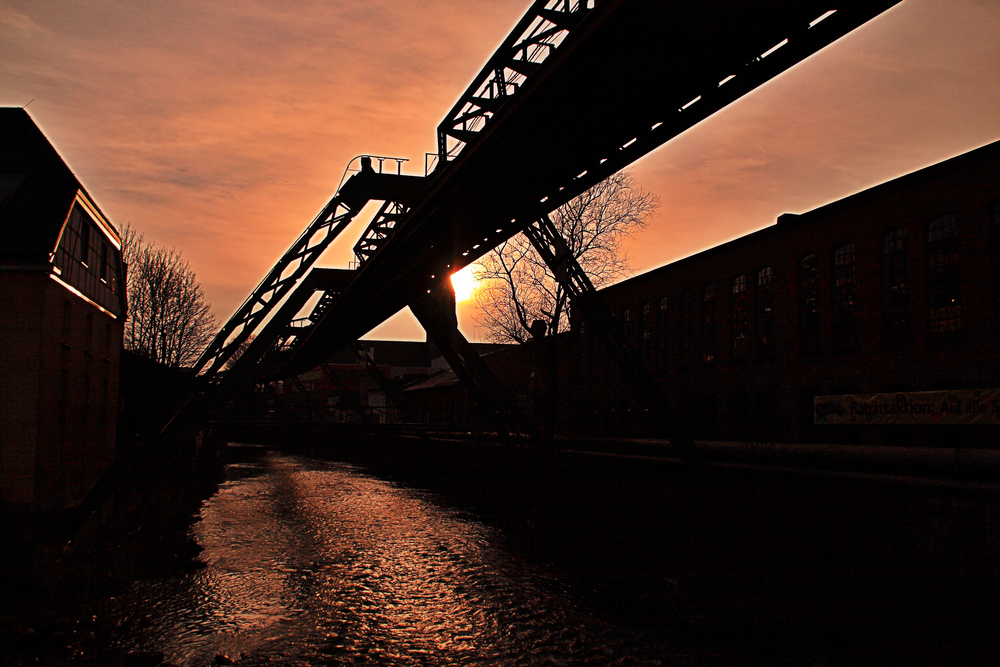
(576, 92)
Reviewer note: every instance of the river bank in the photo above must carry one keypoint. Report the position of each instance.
(53, 593)
(770, 566)
(735, 566)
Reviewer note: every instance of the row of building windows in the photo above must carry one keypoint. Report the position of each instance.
(88, 262)
(753, 321)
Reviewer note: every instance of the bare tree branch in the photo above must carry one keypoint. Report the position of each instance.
(168, 320)
(517, 287)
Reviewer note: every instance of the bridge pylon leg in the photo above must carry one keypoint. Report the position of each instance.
(436, 313)
(554, 250)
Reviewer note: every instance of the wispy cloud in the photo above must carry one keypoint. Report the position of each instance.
(221, 128)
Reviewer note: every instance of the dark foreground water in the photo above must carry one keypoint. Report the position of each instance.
(310, 562)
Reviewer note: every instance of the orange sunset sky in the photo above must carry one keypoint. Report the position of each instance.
(221, 128)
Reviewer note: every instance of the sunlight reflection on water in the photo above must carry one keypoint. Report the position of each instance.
(310, 562)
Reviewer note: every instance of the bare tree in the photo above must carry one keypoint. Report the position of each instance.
(169, 320)
(517, 288)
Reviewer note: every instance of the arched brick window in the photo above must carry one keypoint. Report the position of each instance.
(944, 299)
(844, 293)
(895, 285)
(808, 303)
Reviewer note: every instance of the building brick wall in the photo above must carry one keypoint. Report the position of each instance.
(753, 387)
(59, 399)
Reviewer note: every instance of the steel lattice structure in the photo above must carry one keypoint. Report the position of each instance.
(576, 92)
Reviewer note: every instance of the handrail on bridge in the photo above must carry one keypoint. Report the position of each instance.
(381, 159)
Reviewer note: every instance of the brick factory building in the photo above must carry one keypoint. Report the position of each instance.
(874, 319)
(62, 308)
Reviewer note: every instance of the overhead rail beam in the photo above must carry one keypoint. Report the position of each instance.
(539, 32)
(576, 92)
(631, 75)
(673, 116)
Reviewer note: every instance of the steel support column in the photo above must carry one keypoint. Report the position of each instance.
(553, 249)
(436, 313)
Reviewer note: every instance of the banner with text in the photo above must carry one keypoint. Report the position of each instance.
(964, 406)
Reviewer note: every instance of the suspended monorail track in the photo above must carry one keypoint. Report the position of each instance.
(576, 92)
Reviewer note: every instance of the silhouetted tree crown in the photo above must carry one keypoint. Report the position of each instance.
(169, 320)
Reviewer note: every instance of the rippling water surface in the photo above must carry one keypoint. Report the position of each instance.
(310, 562)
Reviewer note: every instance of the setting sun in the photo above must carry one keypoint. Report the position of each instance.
(464, 283)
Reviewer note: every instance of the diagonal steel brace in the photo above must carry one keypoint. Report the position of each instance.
(554, 250)
(486, 389)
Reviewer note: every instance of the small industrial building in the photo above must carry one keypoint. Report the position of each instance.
(385, 382)
(874, 320)
(351, 385)
(62, 309)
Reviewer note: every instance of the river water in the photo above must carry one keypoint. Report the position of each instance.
(309, 562)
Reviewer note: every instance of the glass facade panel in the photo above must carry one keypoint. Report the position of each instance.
(82, 265)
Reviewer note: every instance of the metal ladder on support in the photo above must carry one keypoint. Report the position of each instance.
(379, 230)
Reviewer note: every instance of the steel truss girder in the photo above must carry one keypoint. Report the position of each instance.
(539, 32)
(297, 260)
(379, 229)
(354, 193)
(635, 136)
(672, 120)
(554, 250)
